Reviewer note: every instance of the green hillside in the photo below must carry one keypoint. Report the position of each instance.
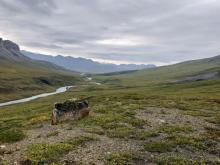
(21, 76)
(190, 70)
(198, 79)
(137, 117)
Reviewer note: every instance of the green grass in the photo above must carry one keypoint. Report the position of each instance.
(173, 129)
(55, 133)
(47, 152)
(174, 160)
(11, 136)
(122, 158)
(214, 120)
(149, 77)
(180, 160)
(116, 123)
(50, 153)
(75, 163)
(212, 133)
(3, 162)
(130, 133)
(158, 146)
(171, 142)
(27, 78)
(95, 130)
(115, 106)
(184, 141)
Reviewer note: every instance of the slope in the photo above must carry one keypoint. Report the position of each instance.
(21, 76)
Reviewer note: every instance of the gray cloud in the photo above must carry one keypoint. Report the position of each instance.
(142, 31)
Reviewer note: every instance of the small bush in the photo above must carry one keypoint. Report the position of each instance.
(95, 130)
(120, 132)
(143, 135)
(179, 160)
(174, 160)
(212, 132)
(130, 133)
(121, 158)
(39, 119)
(162, 146)
(10, 136)
(138, 123)
(46, 152)
(170, 129)
(49, 153)
(55, 133)
(183, 141)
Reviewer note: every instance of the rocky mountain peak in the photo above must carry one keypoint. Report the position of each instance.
(1, 42)
(10, 47)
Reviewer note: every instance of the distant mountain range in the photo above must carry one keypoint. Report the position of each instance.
(85, 65)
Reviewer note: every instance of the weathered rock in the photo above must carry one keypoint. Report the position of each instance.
(75, 108)
(11, 46)
(1, 43)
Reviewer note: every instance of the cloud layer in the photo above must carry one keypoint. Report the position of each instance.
(125, 31)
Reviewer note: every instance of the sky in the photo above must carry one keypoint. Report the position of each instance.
(157, 32)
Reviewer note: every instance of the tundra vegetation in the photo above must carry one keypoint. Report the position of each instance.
(133, 121)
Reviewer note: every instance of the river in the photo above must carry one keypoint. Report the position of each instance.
(59, 90)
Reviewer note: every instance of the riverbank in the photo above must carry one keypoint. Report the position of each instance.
(59, 90)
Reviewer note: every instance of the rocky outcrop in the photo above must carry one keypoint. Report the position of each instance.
(9, 45)
(75, 108)
(1, 43)
(8, 48)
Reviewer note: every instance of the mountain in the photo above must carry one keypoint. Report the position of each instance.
(85, 65)
(21, 76)
(10, 50)
(185, 72)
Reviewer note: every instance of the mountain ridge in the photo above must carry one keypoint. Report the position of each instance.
(85, 65)
(10, 50)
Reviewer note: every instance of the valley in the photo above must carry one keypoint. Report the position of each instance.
(22, 77)
(141, 117)
(108, 82)
(24, 100)
(85, 65)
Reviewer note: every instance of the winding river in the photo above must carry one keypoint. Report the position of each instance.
(59, 90)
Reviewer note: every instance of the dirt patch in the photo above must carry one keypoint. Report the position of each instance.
(94, 153)
(40, 135)
(157, 117)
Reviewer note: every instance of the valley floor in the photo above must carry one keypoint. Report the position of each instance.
(126, 126)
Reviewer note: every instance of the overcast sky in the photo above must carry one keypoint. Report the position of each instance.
(120, 31)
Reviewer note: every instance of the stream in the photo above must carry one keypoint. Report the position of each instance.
(59, 90)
